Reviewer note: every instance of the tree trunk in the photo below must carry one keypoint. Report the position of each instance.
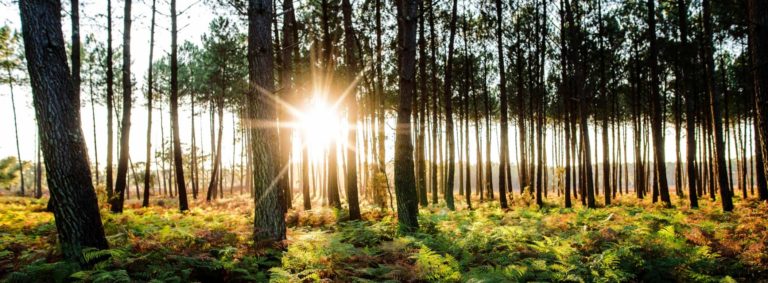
(121, 184)
(714, 105)
(57, 111)
(110, 95)
(435, 120)
(448, 94)
(504, 144)
(177, 161)
(758, 49)
(657, 121)
(150, 85)
(350, 56)
(216, 171)
(16, 130)
(423, 97)
(288, 94)
(269, 221)
(405, 181)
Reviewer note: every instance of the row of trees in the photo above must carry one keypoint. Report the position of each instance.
(605, 66)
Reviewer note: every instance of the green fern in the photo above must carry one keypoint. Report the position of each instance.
(436, 268)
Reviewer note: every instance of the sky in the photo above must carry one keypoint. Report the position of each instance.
(193, 22)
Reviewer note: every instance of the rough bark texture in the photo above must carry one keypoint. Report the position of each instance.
(758, 48)
(269, 221)
(58, 114)
(405, 180)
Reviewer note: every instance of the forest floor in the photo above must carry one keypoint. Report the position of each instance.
(628, 242)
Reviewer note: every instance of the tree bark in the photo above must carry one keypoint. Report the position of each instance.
(150, 98)
(405, 181)
(350, 56)
(121, 184)
(690, 108)
(758, 49)
(57, 111)
(423, 97)
(177, 160)
(714, 107)
(504, 144)
(288, 93)
(269, 221)
(657, 121)
(110, 95)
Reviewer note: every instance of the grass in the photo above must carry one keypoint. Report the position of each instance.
(630, 241)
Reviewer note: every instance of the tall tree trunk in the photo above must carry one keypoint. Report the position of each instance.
(150, 98)
(289, 95)
(435, 97)
(448, 94)
(504, 144)
(405, 181)
(657, 121)
(93, 121)
(121, 184)
(714, 105)
(269, 220)
(57, 111)
(604, 94)
(381, 111)
(328, 67)
(195, 174)
(423, 97)
(110, 95)
(177, 161)
(758, 50)
(690, 108)
(350, 56)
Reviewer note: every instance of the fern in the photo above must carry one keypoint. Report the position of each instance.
(436, 268)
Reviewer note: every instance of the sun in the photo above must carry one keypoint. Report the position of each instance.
(321, 124)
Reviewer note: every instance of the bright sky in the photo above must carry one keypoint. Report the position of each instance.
(193, 23)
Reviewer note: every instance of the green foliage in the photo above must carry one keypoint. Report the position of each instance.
(627, 243)
(9, 171)
(434, 267)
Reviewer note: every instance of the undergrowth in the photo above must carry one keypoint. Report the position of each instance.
(630, 242)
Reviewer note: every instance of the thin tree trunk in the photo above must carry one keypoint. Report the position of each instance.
(504, 144)
(714, 105)
(125, 121)
(16, 130)
(150, 86)
(177, 161)
(110, 95)
(350, 56)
